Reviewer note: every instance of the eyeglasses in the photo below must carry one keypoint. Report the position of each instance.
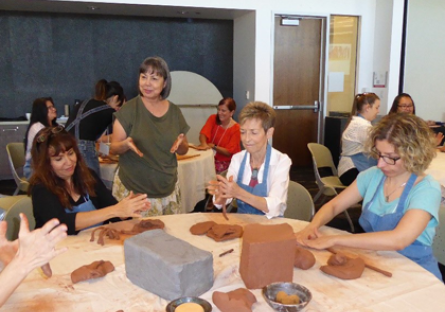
(47, 132)
(386, 159)
(405, 106)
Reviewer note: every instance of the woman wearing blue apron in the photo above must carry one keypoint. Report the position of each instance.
(353, 160)
(63, 187)
(90, 120)
(258, 177)
(400, 202)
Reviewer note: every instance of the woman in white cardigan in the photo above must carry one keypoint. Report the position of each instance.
(353, 160)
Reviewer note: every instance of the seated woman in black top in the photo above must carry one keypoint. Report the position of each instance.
(63, 187)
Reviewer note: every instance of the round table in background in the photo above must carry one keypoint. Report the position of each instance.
(193, 175)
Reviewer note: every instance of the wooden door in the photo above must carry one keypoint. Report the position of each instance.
(297, 87)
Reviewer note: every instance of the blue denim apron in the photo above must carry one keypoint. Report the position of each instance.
(84, 207)
(87, 148)
(259, 190)
(417, 252)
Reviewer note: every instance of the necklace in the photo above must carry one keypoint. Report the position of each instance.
(397, 187)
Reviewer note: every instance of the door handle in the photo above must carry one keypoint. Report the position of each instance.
(315, 107)
(11, 129)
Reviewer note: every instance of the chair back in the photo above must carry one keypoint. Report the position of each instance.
(16, 158)
(322, 157)
(439, 240)
(299, 203)
(13, 206)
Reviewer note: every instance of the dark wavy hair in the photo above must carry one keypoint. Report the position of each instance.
(50, 142)
(39, 113)
(231, 105)
(395, 103)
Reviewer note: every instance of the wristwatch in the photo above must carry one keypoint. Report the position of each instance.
(214, 147)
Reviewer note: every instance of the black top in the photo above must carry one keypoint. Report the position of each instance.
(46, 205)
(92, 126)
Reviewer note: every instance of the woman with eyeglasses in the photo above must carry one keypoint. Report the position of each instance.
(365, 108)
(43, 114)
(222, 134)
(400, 202)
(89, 120)
(63, 187)
(258, 177)
(403, 103)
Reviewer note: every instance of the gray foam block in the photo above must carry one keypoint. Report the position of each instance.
(167, 266)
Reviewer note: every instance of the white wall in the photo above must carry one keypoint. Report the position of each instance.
(425, 58)
(256, 77)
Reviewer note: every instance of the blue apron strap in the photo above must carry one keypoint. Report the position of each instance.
(266, 163)
(239, 179)
(408, 187)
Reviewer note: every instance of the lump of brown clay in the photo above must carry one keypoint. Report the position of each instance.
(223, 232)
(146, 225)
(304, 259)
(93, 270)
(344, 267)
(202, 227)
(268, 255)
(239, 300)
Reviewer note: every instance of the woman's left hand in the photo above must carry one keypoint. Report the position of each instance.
(176, 144)
(227, 188)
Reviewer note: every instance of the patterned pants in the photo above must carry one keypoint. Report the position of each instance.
(159, 206)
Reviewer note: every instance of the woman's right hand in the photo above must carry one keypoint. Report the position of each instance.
(132, 206)
(131, 146)
(308, 233)
(203, 147)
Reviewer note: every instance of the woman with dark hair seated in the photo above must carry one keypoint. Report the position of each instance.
(222, 134)
(404, 103)
(43, 114)
(63, 187)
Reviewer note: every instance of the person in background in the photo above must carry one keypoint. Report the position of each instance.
(147, 133)
(222, 134)
(365, 108)
(63, 187)
(89, 120)
(258, 177)
(400, 202)
(403, 103)
(30, 251)
(43, 114)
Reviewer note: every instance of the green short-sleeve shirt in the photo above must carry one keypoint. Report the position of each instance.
(154, 174)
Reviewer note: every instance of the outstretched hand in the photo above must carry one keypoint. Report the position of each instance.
(132, 146)
(133, 205)
(37, 248)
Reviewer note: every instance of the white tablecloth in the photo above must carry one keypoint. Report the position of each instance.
(411, 288)
(193, 174)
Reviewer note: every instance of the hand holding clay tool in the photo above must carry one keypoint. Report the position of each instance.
(371, 267)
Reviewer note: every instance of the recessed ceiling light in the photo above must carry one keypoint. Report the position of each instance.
(182, 12)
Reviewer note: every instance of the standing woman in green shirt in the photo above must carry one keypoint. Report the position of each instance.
(147, 133)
